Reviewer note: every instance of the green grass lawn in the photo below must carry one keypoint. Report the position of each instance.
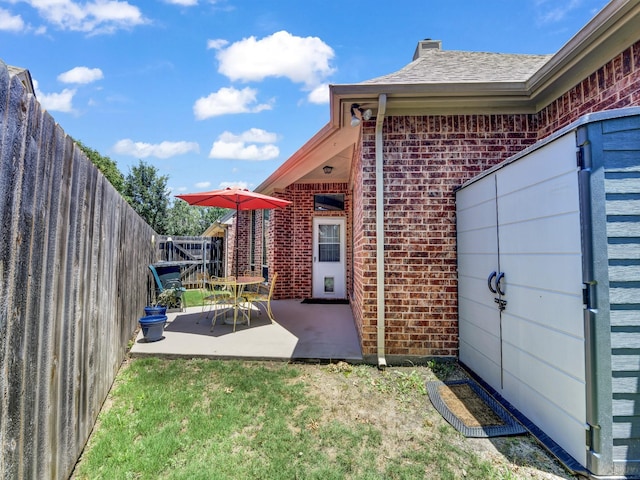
(193, 298)
(211, 419)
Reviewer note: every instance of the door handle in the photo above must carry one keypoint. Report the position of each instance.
(499, 283)
(492, 275)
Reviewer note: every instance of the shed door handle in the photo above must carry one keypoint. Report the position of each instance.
(492, 275)
(499, 283)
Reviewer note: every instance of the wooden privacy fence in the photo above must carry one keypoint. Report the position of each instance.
(73, 282)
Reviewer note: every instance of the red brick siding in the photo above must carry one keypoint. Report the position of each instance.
(279, 247)
(293, 230)
(362, 254)
(231, 246)
(244, 246)
(277, 261)
(425, 158)
(614, 85)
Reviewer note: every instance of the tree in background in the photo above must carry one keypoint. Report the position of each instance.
(107, 166)
(185, 219)
(147, 193)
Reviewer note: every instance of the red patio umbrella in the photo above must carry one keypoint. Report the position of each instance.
(236, 198)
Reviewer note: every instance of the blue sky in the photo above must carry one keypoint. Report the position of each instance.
(221, 92)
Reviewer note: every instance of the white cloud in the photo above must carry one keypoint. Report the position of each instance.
(256, 135)
(98, 16)
(320, 94)
(228, 100)
(244, 146)
(81, 75)
(10, 23)
(182, 3)
(203, 185)
(241, 151)
(234, 184)
(55, 102)
(216, 44)
(303, 60)
(553, 12)
(159, 150)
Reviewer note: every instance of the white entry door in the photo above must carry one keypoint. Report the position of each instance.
(329, 266)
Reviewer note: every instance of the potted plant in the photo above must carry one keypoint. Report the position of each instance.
(167, 299)
(152, 324)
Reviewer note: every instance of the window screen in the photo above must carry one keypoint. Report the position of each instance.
(329, 243)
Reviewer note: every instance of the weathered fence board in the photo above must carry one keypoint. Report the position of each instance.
(73, 281)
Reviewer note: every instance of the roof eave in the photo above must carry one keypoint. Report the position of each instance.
(435, 99)
(329, 142)
(609, 33)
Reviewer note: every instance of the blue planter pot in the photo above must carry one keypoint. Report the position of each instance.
(152, 327)
(157, 310)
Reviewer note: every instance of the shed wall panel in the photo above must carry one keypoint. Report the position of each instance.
(620, 167)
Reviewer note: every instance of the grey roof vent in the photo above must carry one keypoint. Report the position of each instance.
(426, 44)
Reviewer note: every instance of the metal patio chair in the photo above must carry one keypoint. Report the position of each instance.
(262, 298)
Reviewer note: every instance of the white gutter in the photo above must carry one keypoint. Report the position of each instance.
(382, 107)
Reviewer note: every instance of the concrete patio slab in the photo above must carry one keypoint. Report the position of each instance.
(301, 332)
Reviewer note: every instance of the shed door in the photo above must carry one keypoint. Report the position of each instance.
(533, 351)
(479, 319)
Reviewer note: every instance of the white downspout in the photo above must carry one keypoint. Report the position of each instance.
(382, 107)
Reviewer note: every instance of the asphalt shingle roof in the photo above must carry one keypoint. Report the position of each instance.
(452, 66)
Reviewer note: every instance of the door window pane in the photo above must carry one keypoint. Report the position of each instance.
(329, 243)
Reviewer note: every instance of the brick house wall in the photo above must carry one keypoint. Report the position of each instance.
(244, 233)
(363, 254)
(279, 248)
(294, 242)
(290, 230)
(615, 85)
(426, 158)
(278, 233)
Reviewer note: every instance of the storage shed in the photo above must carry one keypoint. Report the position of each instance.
(549, 288)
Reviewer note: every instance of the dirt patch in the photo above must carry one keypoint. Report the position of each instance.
(393, 402)
(465, 404)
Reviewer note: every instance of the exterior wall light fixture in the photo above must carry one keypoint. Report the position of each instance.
(364, 114)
